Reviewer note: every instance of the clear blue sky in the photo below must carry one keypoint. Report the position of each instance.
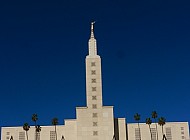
(144, 46)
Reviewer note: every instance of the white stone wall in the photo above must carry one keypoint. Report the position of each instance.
(95, 127)
(93, 65)
(176, 130)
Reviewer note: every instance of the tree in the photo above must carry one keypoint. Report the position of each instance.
(137, 118)
(55, 122)
(38, 129)
(26, 127)
(34, 119)
(162, 122)
(154, 116)
(149, 122)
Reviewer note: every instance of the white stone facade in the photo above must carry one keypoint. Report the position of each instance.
(95, 121)
(172, 130)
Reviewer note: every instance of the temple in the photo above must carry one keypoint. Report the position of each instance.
(96, 121)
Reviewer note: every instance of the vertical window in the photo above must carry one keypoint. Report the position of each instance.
(52, 135)
(21, 136)
(94, 98)
(93, 80)
(93, 72)
(37, 135)
(168, 133)
(93, 88)
(137, 134)
(94, 106)
(93, 64)
(153, 131)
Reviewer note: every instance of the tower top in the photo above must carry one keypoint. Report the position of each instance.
(92, 43)
(92, 29)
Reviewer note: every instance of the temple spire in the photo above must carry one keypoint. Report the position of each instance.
(92, 29)
(92, 43)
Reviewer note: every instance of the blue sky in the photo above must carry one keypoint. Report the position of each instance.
(144, 46)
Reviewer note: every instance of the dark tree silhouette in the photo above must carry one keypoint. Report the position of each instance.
(154, 116)
(137, 118)
(34, 119)
(162, 122)
(55, 122)
(149, 122)
(26, 127)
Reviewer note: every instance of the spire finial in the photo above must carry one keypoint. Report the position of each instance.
(92, 29)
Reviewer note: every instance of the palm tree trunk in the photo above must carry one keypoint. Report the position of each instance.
(162, 132)
(156, 129)
(139, 131)
(55, 133)
(35, 130)
(26, 135)
(150, 132)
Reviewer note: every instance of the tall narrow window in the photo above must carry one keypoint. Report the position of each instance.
(21, 135)
(168, 133)
(37, 135)
(153, 131)
(137, 134)
(52, 135)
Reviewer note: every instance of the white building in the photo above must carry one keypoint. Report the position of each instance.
(95, 121)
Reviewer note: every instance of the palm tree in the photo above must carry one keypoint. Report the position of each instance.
(34, 119)
(137, 118)
(55, 122)
(26, 127)
(154, 116)
(38, 129)
(149, 122)
(162, 122)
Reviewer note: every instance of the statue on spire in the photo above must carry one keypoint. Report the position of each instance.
(92, 29)
(92, 25)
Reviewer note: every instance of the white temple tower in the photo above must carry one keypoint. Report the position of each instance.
(95, 121)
